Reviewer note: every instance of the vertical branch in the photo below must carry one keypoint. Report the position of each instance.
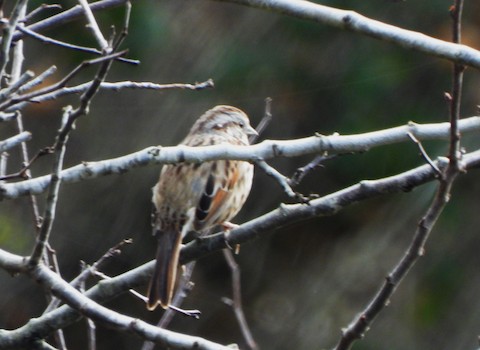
(92, 24)
(236, 302)
(457, 80)
(68, 121)
(8, 31)
(361, 324)
(52, 196)
(184, 287)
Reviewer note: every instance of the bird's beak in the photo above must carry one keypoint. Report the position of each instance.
(250, 131)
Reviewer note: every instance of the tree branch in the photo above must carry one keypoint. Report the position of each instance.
(285, 215)
(68, 16)
(14, 141)
(90, 309)
(266, 150)
(352, 21)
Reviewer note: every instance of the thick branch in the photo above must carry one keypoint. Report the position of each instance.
(266, 150)
(283, 216)
(350, 20)
(98, 313)
(14, 141)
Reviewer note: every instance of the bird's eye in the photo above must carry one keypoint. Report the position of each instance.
(242, 124)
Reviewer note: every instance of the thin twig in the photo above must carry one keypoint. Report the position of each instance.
(52, 196)
(92, 24)
(424, 153)
(264, 122)
(24, 173)
(69, 15)
(17, 81)
(90, 271)
(356, 330)
(282, 180)
(48, 40)
(236, 302)
(301, 172)
(121, 85)
(61, 83)
(68, 120)
(39, 9)
(184, 287)
(17, 14)
(91, 327)
(457, 82)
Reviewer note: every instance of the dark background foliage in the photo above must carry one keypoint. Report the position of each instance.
(302, 283)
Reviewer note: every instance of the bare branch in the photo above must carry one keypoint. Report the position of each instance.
(285, 215)
(361, 324)
(98, 313)
(183, 289)
(424, 154)
(48, 40)
(51, 204)
(282, 180)
(266, 150)
(8, 31)
(264, 122)
(14, 141)
(92, 24)
(69, 15)
(6, 117)
(301, 172)
(117, 86)
(38, 80)
(236, 302)
(352, 21)
(40, 9)
(16, 85)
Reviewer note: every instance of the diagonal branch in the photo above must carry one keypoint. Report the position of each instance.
(285, 215)
(352, 21)
(47, 278)
(69, 15)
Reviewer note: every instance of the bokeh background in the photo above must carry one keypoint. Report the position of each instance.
(303, 283)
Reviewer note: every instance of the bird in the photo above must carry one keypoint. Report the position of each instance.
(198, 196)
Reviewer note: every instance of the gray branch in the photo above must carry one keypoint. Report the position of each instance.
(21, 337)
(352, 21)
(285, 215)
(14, 141)
(266, 150)
(121, 85)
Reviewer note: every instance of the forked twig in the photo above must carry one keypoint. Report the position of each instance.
(236, 301)
(61, 83)
(48, 40)
(90, 271)
(356, 330)
(424, 153)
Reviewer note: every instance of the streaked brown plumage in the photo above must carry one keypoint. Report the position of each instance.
(198, 196)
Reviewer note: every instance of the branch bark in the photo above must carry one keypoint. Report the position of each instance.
(355, 22)
(266, 150)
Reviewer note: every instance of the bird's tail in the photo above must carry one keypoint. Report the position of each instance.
(163, 279)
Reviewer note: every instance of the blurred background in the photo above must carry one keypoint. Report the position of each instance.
(303, 283)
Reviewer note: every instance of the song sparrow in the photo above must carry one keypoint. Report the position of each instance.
(198, 196)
